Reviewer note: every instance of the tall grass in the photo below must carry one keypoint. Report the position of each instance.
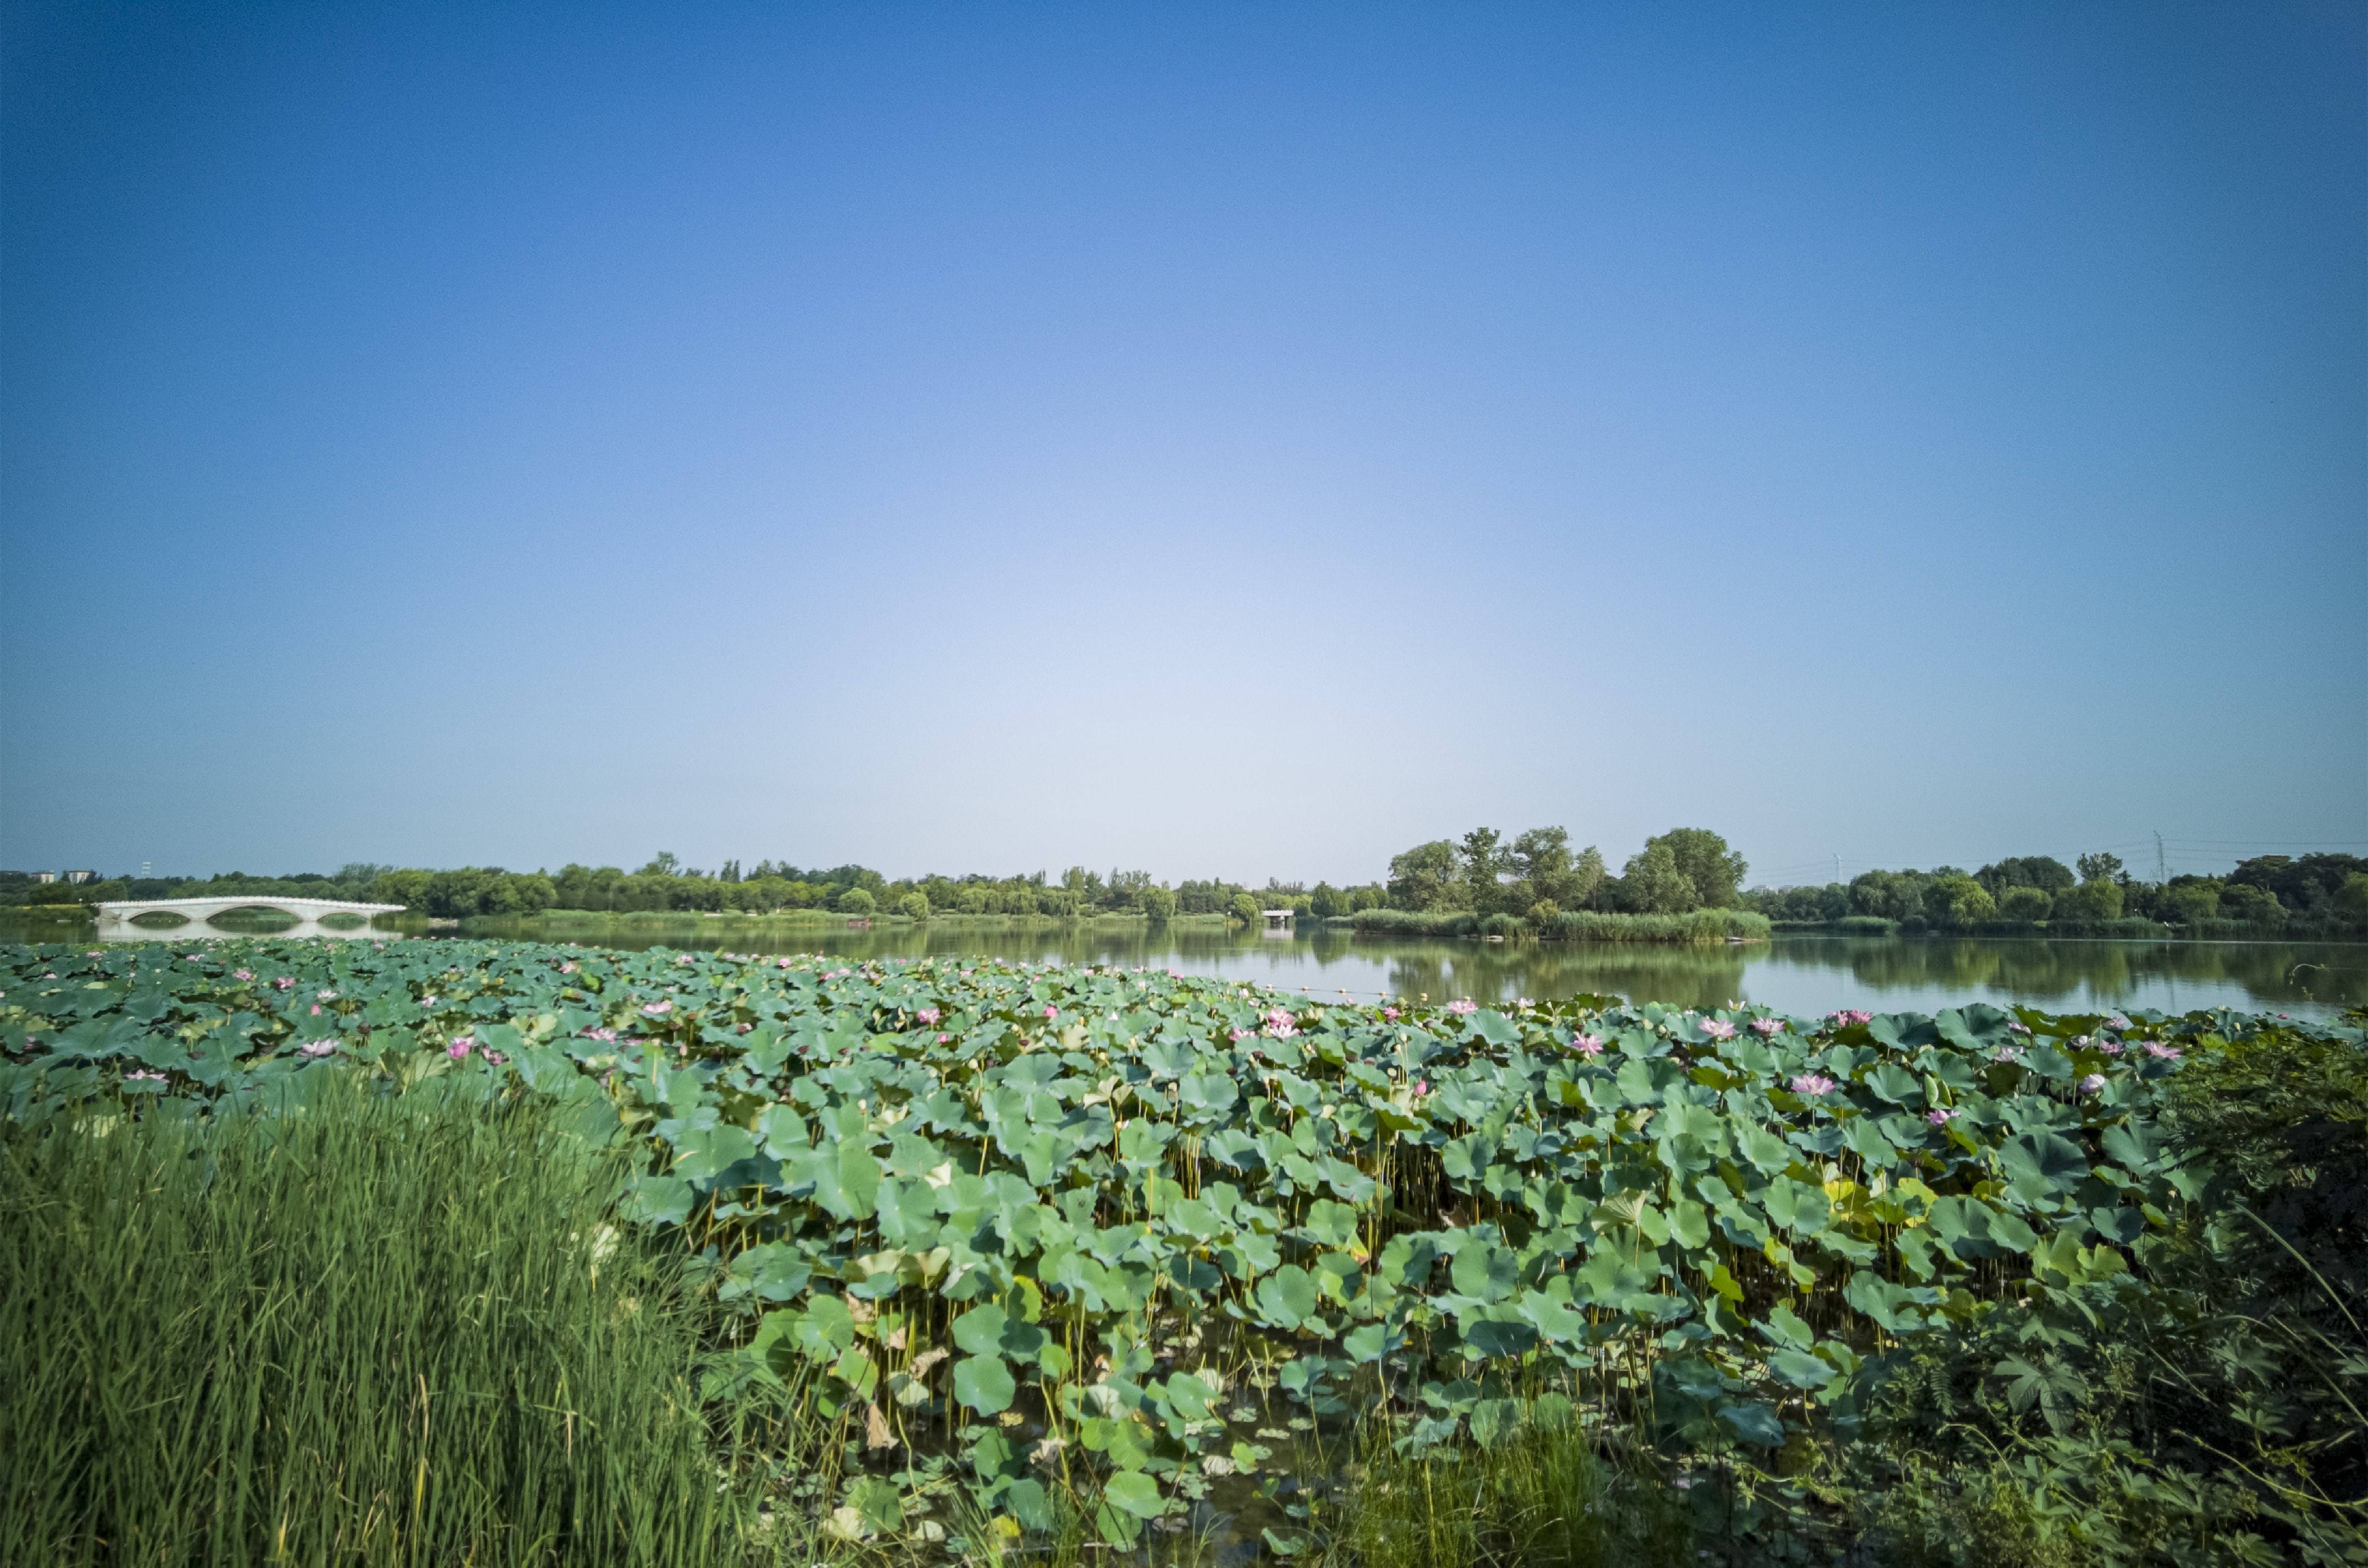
(380, 1330)
(1541, 1497)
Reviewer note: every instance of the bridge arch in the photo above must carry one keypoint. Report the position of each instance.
(123, 917)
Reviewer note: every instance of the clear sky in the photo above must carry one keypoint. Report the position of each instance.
(1243, 441)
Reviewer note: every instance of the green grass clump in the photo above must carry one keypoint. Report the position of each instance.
(1541, 1497)
(386, 1330)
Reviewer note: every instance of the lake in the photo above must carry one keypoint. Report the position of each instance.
(1804, 974)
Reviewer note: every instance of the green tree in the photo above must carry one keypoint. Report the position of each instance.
(1893, 895)
(1545, 870)
(2100, 868)
(662, 864)
(914, 905)
(2352, 898)
(1703, 856)
(2192, 902)
(408, 887)
(1959, 902)
(2024, 902)
(1326, 901)
(1651, 882)
(1483, 862)
(1424, 877)
(856, 901)
(1246, 909)
(2242, 901)
(2098, 897)
(1158, 903)
(2042, 872)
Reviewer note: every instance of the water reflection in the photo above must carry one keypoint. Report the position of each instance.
(1799, 974)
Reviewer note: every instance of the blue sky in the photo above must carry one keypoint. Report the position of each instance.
(1220, 439)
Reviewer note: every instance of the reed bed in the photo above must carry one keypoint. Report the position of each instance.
(388, 1330)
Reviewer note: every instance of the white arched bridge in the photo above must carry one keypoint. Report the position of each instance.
(116, 918)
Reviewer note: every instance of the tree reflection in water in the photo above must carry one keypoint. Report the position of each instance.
(1799, 974)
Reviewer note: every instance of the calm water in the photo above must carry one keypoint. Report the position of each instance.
(1798, 974)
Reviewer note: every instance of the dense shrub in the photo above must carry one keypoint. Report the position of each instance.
(2196, 1409)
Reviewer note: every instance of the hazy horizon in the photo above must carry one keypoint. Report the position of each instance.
(1245, 441)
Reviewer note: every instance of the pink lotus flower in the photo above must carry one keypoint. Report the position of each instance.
(495, 1057)
(242, 974)
(2005, 1053)
(1813, 1083)
(316, 1009)
(2156, 1047)
(2110, 1047)
(1280, 1024)
(1717, 1030)
(143, 1077)
(1942, 1116)
(657, 1009)
(606, 1036)
(317, 1048)
(2092, 1084)
(783, 965)
(1851, 1015)
(1238, 1036)
(283, 983)
(928, 1015)
(943, 1038)
(1768, 1028)
(1051, 1011)
(325, 995)
(1391, 1014)
(1462, 1005)
(567, 968)
(461, 1047)
(1588, 1045)
(1422, 1085)
(2018, 1027)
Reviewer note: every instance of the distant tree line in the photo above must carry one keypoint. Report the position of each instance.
(665, 884)
(2268, 892)
(1535, 875)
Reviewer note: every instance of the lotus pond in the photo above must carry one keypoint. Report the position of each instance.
(1143, 1256)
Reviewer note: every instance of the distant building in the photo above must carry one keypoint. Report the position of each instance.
(43, 876)
(76, 878)
(1278, 921)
